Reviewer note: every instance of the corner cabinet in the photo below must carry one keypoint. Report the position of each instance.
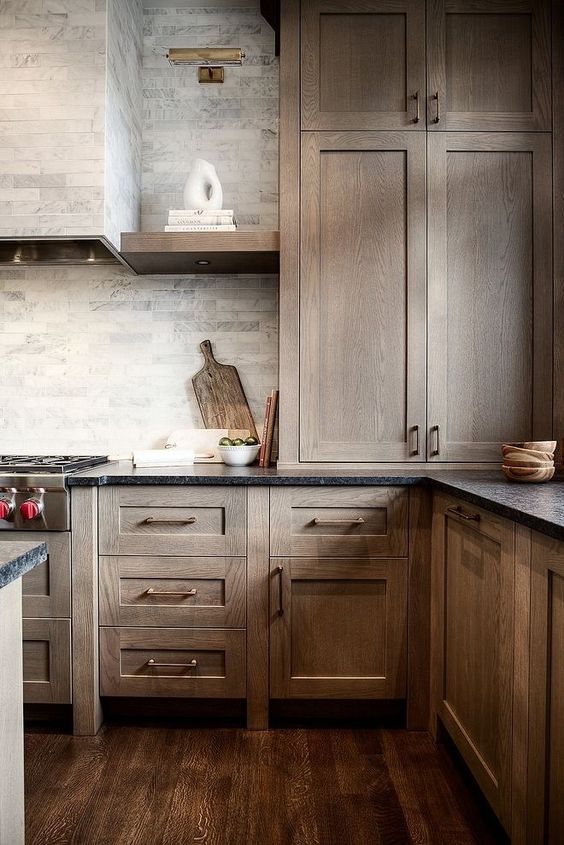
(418, 148)
(473, 642)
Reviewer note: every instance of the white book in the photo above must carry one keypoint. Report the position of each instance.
(201, 221)
(195, 213)
(202, 228)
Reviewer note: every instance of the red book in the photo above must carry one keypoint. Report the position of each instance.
(262, 452)
(270, 429)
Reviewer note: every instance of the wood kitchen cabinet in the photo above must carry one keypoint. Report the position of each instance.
(472, 654)
(362, 390)
(490, 292)
(338, 628)
(546, 716)
(488, 65)
(363, 64)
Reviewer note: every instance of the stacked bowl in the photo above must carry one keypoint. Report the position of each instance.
(532, 461)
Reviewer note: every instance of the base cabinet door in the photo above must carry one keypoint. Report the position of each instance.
(472, 642)
(546, 705)
(338, 628)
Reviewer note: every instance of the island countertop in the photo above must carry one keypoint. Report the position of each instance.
(19, 556)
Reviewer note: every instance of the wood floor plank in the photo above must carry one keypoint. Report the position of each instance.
(163, 785)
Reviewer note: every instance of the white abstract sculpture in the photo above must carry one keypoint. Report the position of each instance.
(203, 188)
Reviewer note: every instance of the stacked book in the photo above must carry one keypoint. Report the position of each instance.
(200, 220)
(266, 448)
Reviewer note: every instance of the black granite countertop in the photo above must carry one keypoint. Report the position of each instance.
(538, 506)
(18, 557)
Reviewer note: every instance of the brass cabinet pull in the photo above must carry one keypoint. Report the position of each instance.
(415, 431)
(154, 665)
(152, 592)
(158, 520)
(280, 570)
(358, 521)
(438, 112)
(458, 511)
(417, 114)
(437, 431)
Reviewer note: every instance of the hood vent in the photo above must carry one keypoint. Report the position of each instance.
(57, 251)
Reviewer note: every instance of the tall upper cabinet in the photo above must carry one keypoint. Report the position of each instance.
(416, 281)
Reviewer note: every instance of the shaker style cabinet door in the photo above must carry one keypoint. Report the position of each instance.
(338, 628)
(472, 642)
(362, 307)
(363, 64)
(490, 293)
(488, 65)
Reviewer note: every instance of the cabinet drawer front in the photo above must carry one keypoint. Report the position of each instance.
(338, 628)
(47, 661)
(172, 521)
(46, 589)
(172, 592)
(338, 522)
(173, 663)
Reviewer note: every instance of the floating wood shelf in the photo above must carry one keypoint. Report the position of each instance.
(248, 250)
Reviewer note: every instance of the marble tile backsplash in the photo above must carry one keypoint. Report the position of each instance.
(95, 360)
(234, 125)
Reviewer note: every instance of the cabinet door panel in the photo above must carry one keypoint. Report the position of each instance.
(363, 296)
(490, 311)
(490, 64)
(473, 576)
(546, 713)
(362, 64)
(338, 628)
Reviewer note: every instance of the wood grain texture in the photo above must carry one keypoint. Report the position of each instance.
(343, 629)
(473, 643)
(219, 529)
(247, 251)
(47, 588)
(294, 532)
(125, 669)
(489, 60)
(47, 661)
(490, 292)
(545, 820)
(258, 621)
(220, 395)
(289, 175)
(558, 204)
(87, 710)
(174, 785)
(11, 716)
(419, 608)
(362, 64)
(219, 601)
(362, 388)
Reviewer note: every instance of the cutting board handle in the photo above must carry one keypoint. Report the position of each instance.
(207, 351)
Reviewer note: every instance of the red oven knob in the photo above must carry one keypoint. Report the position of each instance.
(30, 509)
(6, 508)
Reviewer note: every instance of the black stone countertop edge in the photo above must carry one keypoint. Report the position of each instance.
(19, 556)
(537, 506)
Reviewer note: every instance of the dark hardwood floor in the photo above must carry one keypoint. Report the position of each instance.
(167, 786)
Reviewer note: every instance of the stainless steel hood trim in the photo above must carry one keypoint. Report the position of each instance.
(59, 251)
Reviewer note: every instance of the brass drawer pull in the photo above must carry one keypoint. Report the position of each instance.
(436, 429)
(417, 448)
(157, 520)
(280, 570)
(152, 592)
(358, 521)
(473, 517)
(154, 665)
(417, 115)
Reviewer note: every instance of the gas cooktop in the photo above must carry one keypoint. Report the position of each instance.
(58, 464)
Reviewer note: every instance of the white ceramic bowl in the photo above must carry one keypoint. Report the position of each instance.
(238, 456)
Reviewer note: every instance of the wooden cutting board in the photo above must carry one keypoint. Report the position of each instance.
(220, 395)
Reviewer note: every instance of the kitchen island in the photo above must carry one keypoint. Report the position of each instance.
(16, 558)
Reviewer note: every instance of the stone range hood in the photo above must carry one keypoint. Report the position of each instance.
(70, 130)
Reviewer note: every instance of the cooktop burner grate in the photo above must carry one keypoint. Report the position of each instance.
(49, 463)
